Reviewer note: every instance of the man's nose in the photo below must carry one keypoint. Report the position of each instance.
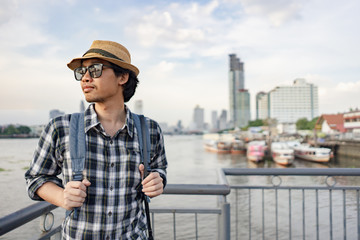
(87, 77)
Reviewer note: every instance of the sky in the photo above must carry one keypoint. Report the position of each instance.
(182, 50)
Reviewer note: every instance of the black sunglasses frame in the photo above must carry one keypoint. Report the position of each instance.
(90, 72)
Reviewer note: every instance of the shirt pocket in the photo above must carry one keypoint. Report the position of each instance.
(130, 176)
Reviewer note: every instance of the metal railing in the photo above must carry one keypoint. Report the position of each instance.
(281, 207)
(222, 210)
(285, 203)
(43, 209)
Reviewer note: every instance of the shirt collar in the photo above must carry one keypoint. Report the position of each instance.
(91, 119)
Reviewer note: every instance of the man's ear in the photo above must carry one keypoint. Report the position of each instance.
(123, 79)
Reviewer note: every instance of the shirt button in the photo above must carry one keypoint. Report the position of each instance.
(107, 238)
(112, 164)
(111, 188)
(110, 213)
(111, 141)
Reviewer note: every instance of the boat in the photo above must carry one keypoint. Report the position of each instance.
(218, 146)
(314, 154)
(282, 153)
(256, 151)
(293, 144)
(238, 147)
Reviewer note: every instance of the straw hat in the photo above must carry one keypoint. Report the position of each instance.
(107, 50)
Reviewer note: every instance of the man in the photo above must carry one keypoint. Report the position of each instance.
(109, 198)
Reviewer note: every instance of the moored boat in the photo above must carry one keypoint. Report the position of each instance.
(218, 147)
(282, 153)
(256, 151)
(238, 147)
(312, 153)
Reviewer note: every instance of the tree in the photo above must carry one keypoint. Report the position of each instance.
(312, 123)
(10, 130)
(256, 123)
(13, 130)
(24, 129)
(304, 124)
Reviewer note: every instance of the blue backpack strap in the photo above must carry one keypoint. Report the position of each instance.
(144, 142)
(77, 147)
(143, 130)
(139, 132)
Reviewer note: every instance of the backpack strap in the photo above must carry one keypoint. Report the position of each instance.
(77, 148)
(144, 142)
(142, 128)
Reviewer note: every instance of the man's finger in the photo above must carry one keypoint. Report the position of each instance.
(141, 169)
(86, 182)
(151, 176)
(154, 191)
(153, 188)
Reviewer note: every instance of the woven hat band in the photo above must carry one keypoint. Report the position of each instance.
(103, 53)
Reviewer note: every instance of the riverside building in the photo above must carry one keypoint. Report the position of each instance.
(239, 96)
(214, 121)
(287, 104)
(261, 106)
(352, 124)
(138, 107)
(198, 123)
(55, 113)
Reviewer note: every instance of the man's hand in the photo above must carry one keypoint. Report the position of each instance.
(153, 184)
(75, 194)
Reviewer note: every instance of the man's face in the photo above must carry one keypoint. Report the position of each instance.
(103, 88)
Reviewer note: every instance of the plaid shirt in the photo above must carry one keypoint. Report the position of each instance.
(113, 207)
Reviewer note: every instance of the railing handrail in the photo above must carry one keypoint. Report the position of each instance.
(197, 189)
(24, 215)
(27, 214)
(187, 210)
(293, 171)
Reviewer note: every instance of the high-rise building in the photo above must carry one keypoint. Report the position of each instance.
(82, 106)
(198, 118)
(179, 127)
(223, 120)
(243, 105)
(138, 107)
(261, 105)
(239, 96)
(214, 121)
(288, 104)
(55, 112)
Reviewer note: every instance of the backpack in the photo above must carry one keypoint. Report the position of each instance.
(78, 152)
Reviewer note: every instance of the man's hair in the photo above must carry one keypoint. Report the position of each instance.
(130, 85)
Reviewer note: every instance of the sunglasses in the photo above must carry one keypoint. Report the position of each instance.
(95, 71)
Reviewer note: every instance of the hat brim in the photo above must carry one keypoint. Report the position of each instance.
(76, 62)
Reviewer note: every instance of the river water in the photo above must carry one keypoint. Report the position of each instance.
(188, 162)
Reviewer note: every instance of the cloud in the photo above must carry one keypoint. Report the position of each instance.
(187, 30)
(176, 26)
(161, 71)
(7, 11)
(335, 97)
(181, 49)
(277, 12)
(349, 87)
(278, 41)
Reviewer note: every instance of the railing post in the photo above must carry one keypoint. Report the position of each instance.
(225, 230)
(224, 225)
